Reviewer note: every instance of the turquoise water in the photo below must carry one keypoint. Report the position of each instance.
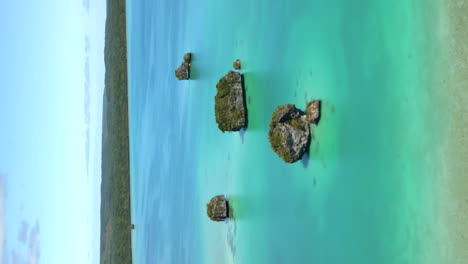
(362, 195)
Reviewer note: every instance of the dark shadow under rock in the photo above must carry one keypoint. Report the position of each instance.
(242, 135)
(305, 160)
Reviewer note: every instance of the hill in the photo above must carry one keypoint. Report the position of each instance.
(115, 185)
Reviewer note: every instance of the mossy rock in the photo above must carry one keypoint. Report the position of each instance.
(289, 133)
(313, 110)
(230, 107)
(218, 208)
(183, 72)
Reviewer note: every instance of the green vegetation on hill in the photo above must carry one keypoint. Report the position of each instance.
(115, 186)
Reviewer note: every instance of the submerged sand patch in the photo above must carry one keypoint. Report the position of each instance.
(452, 180)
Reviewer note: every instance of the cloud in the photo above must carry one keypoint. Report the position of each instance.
(16, 258)
(29, 237)
(87, 83)
(33, 245)
(87, 79)
(85, 4)
(23, 233)
(87, 97)
(87, 44)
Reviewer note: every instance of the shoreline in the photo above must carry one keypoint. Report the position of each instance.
(451, 181)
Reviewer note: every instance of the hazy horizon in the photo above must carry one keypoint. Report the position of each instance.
(51, 108)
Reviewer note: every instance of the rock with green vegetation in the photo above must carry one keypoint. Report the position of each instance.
(236, 64)
(188, 57)
(230, 107)
(289, 133)
(313, 111)
(183, 72)
(218, 208)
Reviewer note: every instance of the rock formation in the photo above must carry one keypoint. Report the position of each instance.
(289, 133)
(313, 111)
(218, 208)
(230, 107)
(183, 72)
(236, 64)
(188, 57)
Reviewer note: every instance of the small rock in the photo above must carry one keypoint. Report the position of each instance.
(183, 72)
(188, 57)
(236, 64)
(218, 208)
(313, 111)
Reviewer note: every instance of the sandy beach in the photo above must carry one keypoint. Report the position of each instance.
(452, 180)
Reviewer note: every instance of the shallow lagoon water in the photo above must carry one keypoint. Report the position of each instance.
(363, 194)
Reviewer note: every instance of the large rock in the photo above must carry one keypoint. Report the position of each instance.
(183, 72)
(230, 107)
(289, 133)
(313, 111)
(218, 208)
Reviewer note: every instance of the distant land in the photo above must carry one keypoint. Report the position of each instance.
(115, 187)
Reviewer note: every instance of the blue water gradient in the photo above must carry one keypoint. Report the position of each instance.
(362, 195)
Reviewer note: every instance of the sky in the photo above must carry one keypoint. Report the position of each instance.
(52, 71)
